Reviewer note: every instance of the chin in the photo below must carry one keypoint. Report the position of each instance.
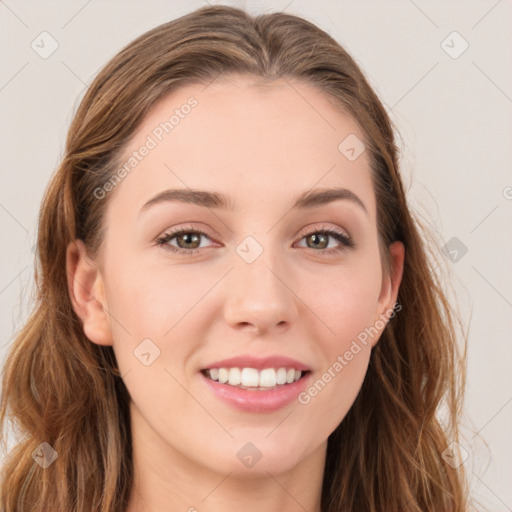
(257, 458)
(260, 469)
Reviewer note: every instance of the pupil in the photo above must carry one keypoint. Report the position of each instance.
(187, 237)
(317, 237)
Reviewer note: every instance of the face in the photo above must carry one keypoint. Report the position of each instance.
(260, 278)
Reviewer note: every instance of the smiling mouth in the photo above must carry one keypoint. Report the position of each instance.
(253, 379)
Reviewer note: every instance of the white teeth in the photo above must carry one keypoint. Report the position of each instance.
(281, 376)
(235, 377)
(252, 378)
(223, 375)
(268, 378)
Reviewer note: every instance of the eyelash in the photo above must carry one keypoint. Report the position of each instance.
(346, 241)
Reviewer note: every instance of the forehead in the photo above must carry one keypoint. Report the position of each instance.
(257, 141)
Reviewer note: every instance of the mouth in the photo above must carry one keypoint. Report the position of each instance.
(256, 384)
(253, 379)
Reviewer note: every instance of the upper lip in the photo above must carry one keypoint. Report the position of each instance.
(248, 361)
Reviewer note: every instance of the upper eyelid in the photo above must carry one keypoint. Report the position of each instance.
(204, 232)
(314, 229)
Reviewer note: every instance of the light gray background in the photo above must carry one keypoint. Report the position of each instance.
(454, 116)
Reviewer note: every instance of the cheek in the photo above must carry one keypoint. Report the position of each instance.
(348, 307)
(332, 394)
(151, 299)
(347, 304)
(162, 305)
(150, 315)
(344, 355)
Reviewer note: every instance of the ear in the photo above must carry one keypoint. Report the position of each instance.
(87, 293)
(390, 285)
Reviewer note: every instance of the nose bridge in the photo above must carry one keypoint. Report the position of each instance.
(258, 293)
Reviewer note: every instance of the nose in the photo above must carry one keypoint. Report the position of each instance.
(260, 297)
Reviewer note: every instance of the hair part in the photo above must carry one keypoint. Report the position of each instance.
(60, 388)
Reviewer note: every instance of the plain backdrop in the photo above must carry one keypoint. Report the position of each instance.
(443, 70)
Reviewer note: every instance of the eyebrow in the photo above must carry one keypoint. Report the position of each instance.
(218, 200)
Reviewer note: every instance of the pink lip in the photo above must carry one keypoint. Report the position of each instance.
(247, 361)
(255, 400)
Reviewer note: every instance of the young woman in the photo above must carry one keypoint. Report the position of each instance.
(236, 308)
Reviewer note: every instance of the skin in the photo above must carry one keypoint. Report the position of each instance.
(263, 146)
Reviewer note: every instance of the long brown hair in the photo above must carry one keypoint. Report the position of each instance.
(61, 389)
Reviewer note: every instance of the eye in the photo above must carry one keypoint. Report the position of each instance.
(188, 240)
(320, 239)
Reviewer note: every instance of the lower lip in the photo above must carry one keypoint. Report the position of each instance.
(258, 401)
